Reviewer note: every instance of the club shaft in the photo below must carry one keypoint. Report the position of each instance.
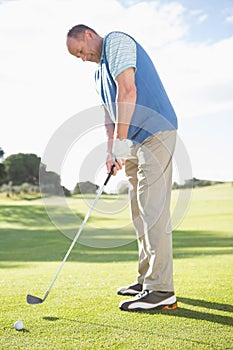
(100, 191)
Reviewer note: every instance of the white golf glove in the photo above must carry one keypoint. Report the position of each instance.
(121, 148)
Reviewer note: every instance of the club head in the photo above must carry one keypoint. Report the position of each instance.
(34, 300)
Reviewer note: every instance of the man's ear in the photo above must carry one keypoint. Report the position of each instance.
(89, 34)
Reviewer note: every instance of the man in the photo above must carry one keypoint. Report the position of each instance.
(141, 128)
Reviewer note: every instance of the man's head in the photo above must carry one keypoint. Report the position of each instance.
(83, 42)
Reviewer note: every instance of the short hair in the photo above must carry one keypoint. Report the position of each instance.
(78, 30)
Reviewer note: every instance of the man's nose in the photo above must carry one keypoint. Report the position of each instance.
(81, 56)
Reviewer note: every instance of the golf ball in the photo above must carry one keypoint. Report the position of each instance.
(18, 325)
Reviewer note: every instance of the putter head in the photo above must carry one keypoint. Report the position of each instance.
(34, 300)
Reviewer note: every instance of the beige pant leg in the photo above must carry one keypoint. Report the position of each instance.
(131, 168)
(150, 208)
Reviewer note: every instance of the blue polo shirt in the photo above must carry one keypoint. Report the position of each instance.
(153, 111)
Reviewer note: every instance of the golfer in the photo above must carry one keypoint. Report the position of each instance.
(141, 129)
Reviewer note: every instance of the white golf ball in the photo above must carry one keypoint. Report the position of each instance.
(18, 325)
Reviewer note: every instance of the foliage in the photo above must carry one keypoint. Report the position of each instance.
(67, 193)
(22, 168)
(2, 173)
(1, 153)
(85, 187)
(192, 183)
(24, 191)
(21, 174)
(2, 167)
(50, 183)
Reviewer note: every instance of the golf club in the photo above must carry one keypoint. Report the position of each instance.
(31, 299)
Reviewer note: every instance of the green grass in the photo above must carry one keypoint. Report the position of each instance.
(82, 312)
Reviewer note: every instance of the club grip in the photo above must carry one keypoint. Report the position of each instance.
(110, 174)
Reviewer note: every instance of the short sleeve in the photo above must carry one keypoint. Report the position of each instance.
(120, 53)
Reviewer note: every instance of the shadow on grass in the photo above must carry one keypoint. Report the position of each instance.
(179, 312)
(195, 243)
(24, 330)
(26, 215)
(43, 245)
(30, 236)
(50, 245)
(140, 330)
(197, 315)
(207, 304)
(50, 318)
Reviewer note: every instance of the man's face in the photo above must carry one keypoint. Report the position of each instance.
(84, 47)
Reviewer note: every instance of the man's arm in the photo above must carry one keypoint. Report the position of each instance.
(110, 127)
(126, 99)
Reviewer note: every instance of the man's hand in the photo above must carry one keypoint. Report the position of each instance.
(112, 160)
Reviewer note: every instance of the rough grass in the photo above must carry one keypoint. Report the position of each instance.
(82, 312)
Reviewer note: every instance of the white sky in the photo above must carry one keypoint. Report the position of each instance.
(42, 86)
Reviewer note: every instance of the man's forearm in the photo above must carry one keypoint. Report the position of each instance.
(110, 127)
(125, 112)
(126, 100)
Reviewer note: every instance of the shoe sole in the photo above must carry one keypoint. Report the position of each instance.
(167, 307)
(130, 294)
(160, 307)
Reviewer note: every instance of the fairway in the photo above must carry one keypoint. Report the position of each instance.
(82, 312)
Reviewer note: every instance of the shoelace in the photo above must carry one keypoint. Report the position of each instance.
(143, 294)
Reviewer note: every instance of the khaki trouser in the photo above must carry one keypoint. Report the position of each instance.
(150, 175)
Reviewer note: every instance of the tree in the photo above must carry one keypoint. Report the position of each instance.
(1, 153)
(22, 168)
(2, 167)
(85, 187)
(50, 183)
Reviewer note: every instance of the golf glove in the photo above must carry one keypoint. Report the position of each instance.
(121, 148)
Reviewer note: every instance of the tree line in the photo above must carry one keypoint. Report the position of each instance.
(20, 173)
(23, 173)
(192, 183)
(20, 168)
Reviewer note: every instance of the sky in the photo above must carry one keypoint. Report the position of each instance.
(42, 86)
